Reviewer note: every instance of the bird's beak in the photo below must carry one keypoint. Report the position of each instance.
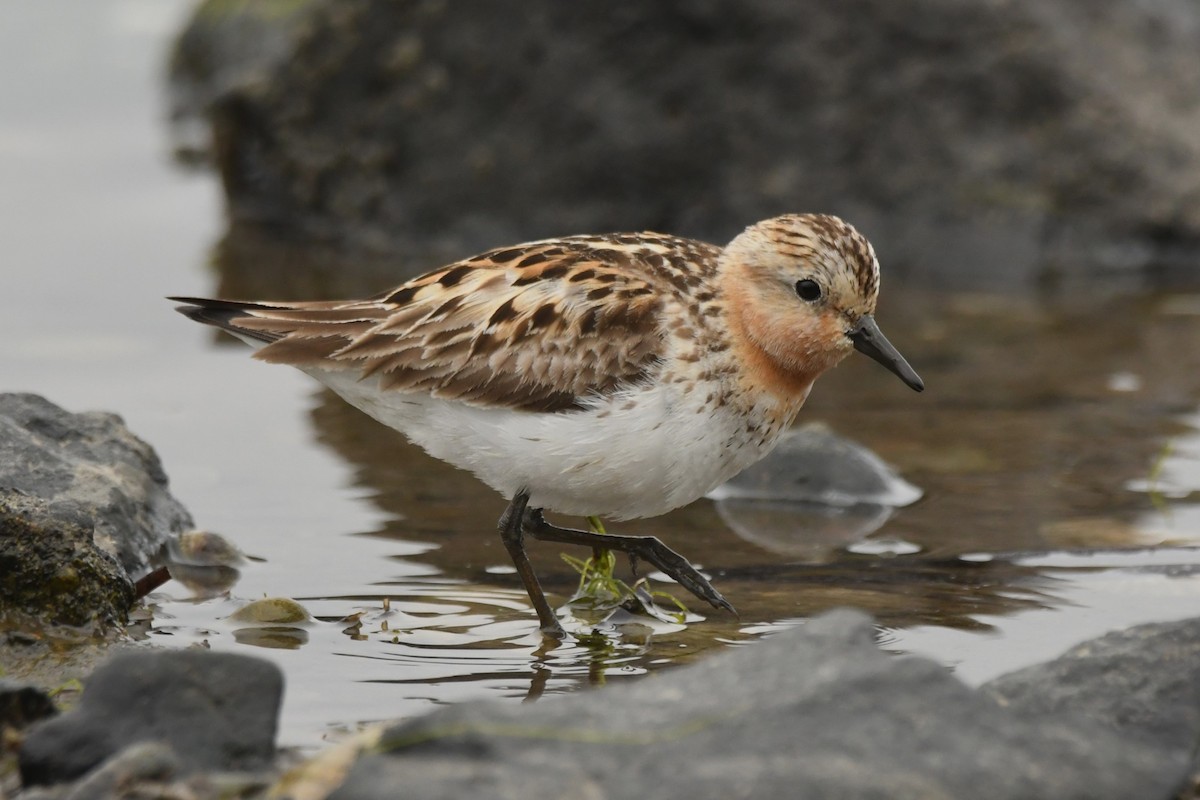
(870, 341)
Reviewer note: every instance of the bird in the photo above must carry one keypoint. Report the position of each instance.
(616, 375)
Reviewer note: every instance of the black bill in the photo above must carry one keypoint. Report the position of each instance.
(870, 341)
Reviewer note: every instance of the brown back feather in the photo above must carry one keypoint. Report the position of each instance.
(538, 327)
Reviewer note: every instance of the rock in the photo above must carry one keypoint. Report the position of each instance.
(226, 47)
(203, 549)
(1144, 681)
(52, 572)
(813, 464)
(21, 705)
(84, 505)
(216, 711)
(205, 562)
(816, 712)
(816, 492)
(272, 610)
(142, 762)
(274, 622)
(1017, 145)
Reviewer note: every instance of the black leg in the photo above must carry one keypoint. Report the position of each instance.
(511, 534)
(648, 548)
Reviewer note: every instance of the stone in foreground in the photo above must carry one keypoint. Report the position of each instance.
(819, 713)
(216, 711)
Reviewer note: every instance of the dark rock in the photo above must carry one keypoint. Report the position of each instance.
(818, 712)
(1144, 681)
(1015, 145)
(225, 48)
(217, 711)
(21, 705)
(52, 572)
(83, 506)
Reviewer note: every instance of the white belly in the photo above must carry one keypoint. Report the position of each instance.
(638, 454)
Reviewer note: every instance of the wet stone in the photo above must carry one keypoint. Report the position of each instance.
(215, 711)
(816, 712)
(51, 571)
(203, 549)
(812, 464)
(815, 494)
(205, 562)
(84, 506)
(272, 610)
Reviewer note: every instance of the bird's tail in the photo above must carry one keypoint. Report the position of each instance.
(224, 314)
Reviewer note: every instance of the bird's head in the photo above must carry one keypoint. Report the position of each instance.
(801, 290)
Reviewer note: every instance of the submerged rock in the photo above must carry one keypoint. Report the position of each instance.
(816, 493)
(84, 506)
(214, 711)
(205, 562)
(812, 464)
(272, 611)
(203, 549)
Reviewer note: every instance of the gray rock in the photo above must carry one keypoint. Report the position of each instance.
(84, 504)
(1144, 681)
(813, 464)
(815, 493)
(818, 712)
(454, 778)
(1003, 145)
(143, 762)
(216, 711)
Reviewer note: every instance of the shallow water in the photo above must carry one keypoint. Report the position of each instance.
(1059, 451)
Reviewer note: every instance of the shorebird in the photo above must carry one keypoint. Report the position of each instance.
(616, 375)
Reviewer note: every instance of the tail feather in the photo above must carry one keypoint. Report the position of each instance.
(222, 313)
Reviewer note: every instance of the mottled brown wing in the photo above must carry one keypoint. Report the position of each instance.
(539, 327)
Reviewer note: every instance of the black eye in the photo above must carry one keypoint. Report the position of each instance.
(808, 290)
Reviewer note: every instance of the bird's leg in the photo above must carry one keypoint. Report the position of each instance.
(600, 558)
(511, 534)
(648, 548)
(633, 566)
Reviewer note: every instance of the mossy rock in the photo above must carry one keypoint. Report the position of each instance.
(52, 573)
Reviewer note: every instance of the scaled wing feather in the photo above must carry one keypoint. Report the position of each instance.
(539, 328)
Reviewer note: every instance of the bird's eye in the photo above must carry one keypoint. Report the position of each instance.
(808, 290)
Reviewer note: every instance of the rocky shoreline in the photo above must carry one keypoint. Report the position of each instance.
(818, 711)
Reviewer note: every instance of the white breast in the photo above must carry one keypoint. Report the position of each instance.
(637, 454)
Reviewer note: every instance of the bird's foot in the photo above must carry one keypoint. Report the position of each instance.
(646, 548)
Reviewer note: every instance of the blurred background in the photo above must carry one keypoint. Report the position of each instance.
(1029, 174)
